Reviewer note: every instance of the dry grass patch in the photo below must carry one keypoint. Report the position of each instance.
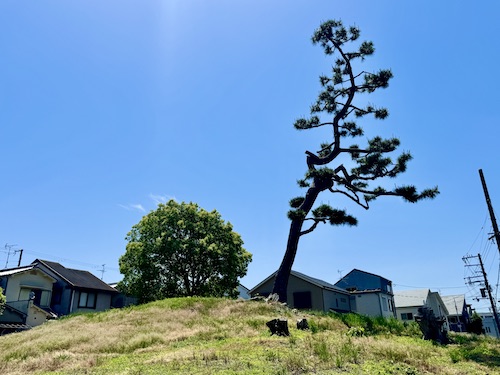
(217, 336)
(83, 341)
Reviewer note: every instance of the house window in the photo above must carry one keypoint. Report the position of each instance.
(39, 297)
(87, 300)
(390, 305)
(406, 316)
(384, 303)
(302, 300)
(343, 300)
(487, 329)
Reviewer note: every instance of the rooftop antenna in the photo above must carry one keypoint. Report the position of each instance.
(8, 248)
(102, 271)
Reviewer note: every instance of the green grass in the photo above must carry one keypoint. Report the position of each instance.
(219, 336)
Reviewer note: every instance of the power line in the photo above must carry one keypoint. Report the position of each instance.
(95, 266)
(429, 287)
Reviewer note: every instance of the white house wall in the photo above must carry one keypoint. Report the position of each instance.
(405, 310)
(368, 304)
(435, 305)
(34, 279)
(35, 316)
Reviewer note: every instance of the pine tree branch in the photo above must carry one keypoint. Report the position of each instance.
(353, 197)
(313, 227)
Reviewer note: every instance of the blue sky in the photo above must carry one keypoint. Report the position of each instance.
(109, 107)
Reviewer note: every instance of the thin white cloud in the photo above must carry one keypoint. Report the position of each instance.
(138, 207)
(133, 207)
(161, 198)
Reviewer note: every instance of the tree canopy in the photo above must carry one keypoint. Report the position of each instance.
(182, 250)
(348, 170)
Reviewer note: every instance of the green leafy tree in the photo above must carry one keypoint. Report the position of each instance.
(182, 250)
(2, 301)
(347, 170)
(476, 324)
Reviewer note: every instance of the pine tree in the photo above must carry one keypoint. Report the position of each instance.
(336, 103)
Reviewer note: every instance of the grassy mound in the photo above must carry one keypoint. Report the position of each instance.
(219, 336)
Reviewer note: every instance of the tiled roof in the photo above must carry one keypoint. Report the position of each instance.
(76, 278)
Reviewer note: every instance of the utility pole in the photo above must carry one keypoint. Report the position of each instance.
(20, 256)
(487, 288)
(496, 233)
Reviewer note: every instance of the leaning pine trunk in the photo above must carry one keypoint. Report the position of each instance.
(281, 281)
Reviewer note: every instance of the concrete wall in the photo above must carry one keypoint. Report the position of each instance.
(35, 316)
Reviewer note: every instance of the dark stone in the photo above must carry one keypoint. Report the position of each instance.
(302, 324)
(278, 327)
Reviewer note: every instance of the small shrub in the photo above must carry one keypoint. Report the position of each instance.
(356, 332)
(313, 327)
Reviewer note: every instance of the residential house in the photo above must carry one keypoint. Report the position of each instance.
(305, 292)
(243, 292)
(459, 312)
(28, 292)
(75, 290)
(370, 294)
(489, 324)
(409, 301)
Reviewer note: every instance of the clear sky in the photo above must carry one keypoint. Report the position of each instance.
(109, 107)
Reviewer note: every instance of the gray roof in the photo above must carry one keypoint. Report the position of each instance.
(454, 304)
(76, 278)
(411, 298)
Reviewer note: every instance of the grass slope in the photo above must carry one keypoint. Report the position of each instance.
(218, 336)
